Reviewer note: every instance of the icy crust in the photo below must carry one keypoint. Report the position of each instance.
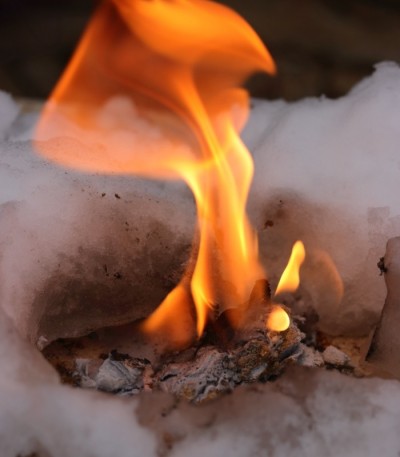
(328, 172)
(306, 413)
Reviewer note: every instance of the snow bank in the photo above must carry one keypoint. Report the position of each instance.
(307, 413)
(81, 251)
(328, 172)
(38, 415)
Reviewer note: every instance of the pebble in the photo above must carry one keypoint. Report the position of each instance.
(334, 356)
(311, 357)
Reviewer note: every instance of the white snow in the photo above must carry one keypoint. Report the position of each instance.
(307, 413)
(37, 414)
(328, 172)
(335, 164)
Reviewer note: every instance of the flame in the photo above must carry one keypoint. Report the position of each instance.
(278, 319)
(290, 278)
(189, 58)
(177, 303)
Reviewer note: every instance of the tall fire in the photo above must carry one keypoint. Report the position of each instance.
(181, 63)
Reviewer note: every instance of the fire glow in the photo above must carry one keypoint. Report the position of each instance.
(187, 59)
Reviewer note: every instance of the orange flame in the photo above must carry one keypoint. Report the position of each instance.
(187, 57)
(278, 319)
(177, 303)
(290, 278)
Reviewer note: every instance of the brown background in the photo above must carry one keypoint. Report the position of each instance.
(320, 46)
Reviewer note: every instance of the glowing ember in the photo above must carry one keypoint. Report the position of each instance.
(278, 319)
(182, 62)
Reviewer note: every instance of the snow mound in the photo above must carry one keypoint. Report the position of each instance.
(328, 172)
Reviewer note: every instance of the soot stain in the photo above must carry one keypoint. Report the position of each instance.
(109, 286)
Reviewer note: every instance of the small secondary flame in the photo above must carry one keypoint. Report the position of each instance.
(278, 319)
(290, 278)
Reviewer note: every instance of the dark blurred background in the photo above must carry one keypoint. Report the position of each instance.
(320, 46)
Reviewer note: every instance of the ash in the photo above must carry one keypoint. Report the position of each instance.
(196, 375)
(221, 361)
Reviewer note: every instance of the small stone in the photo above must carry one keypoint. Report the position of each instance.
(336, 357)
(310, 357)
(87, 370)
(42, 342)
(120, 376)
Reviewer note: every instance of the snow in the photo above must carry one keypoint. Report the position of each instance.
(334, 164)
(38, 414)
(57, 224)
(306, 413)
(328, 172)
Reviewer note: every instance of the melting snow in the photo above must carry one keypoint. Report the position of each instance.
(326, 172)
